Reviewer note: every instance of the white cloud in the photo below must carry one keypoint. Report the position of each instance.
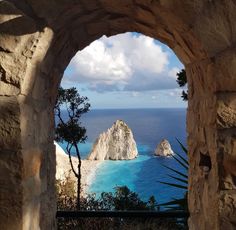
(99, 64)
(135, 94)
(172, 72)
(123, 62)
(175, 92)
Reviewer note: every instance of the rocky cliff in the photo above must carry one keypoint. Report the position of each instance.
(117, 143)
(164, 149)
(63, 169)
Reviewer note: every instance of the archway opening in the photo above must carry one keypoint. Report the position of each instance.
(135, 69)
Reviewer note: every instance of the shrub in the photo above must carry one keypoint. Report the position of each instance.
(122, 199)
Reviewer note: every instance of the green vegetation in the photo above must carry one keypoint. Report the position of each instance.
(182, 81)
(181, 182)
(121, 199)
(70, 129)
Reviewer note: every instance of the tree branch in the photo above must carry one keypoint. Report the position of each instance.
(59, 115)
(70, 159)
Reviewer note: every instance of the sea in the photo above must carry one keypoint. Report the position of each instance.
(143, 174)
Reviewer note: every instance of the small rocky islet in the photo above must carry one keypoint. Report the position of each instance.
(164, 149)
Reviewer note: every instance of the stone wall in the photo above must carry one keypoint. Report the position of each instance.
(37, 41)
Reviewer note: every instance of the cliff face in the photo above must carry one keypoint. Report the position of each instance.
(63, 169)
(117, 143)
(164, 149)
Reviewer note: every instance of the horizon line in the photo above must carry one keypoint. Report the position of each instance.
(141, 108)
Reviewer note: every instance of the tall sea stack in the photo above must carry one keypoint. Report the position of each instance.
(117, 143)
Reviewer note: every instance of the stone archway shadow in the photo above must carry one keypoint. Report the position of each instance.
(38, 40)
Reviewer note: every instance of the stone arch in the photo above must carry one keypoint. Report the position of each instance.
(37, 41)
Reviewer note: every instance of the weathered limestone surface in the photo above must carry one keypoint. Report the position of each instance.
(37, 41)
(164, 149)
(117, 143)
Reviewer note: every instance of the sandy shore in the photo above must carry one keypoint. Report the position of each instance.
(88, 172)
(88, 169)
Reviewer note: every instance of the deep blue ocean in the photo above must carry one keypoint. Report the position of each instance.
(142, 174)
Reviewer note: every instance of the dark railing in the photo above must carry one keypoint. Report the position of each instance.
(121, 214)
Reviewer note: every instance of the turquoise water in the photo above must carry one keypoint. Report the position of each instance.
(118, 173)
(142, 174)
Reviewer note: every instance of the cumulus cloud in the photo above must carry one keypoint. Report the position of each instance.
(125, 62)
(175, 92)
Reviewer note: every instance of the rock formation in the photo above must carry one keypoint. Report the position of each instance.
(63, 168)
(117, 143)
(164, 149)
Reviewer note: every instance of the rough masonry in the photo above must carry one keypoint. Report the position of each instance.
(37, 41)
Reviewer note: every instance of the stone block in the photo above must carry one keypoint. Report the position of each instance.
(226, 110)
(225, 71)
(213, 27)
(91, 5)
(119, 6)
(11, 191)
(97, 27)
(9, 123)
(144, 15)
(227, 210)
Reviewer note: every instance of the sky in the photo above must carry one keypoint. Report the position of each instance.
(128, 70)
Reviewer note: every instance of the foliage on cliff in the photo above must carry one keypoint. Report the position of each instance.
(182, 81)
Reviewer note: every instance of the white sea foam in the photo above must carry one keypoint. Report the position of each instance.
(88, 172)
